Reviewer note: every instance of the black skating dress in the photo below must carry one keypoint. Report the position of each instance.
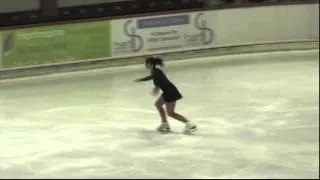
(170, 93)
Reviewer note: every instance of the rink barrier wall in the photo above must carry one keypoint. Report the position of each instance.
(174, 56)
(194, 34)
(157, 34)
(210, 29)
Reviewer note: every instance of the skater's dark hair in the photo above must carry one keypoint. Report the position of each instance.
(154, 61)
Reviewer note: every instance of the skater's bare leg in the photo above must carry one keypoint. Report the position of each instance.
(159, 103)
(171, 112)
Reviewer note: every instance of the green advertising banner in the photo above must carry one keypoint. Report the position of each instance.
(54, 44)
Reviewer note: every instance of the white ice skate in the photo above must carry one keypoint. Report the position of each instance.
(190, 128)
(164, 127)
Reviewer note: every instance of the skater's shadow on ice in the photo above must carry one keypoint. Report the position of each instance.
(152, 134)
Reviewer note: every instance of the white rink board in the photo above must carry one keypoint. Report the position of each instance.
(161, 34)
(218, 28)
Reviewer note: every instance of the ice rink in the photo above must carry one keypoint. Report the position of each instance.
(257, 120)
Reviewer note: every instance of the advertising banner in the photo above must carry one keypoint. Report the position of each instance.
(160, 34)
(53, 44)
(1, 51)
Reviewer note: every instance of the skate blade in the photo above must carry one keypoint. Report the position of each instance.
(164, 130)
(191, 130)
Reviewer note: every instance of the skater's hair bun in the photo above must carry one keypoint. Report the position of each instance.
(154, 61)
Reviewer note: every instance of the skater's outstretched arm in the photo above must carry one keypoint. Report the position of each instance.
(147, 78)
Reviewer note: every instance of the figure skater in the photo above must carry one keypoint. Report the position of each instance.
(170, 95)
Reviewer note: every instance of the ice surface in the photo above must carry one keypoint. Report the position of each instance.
(255, 121)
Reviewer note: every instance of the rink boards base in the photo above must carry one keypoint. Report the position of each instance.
(105, 63)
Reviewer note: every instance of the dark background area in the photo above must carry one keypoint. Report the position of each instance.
(47, 12)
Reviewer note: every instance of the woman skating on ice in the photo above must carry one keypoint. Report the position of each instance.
(170, 95)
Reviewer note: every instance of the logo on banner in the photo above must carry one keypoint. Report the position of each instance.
(135, 42)
(165, 32)
(205, 36)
